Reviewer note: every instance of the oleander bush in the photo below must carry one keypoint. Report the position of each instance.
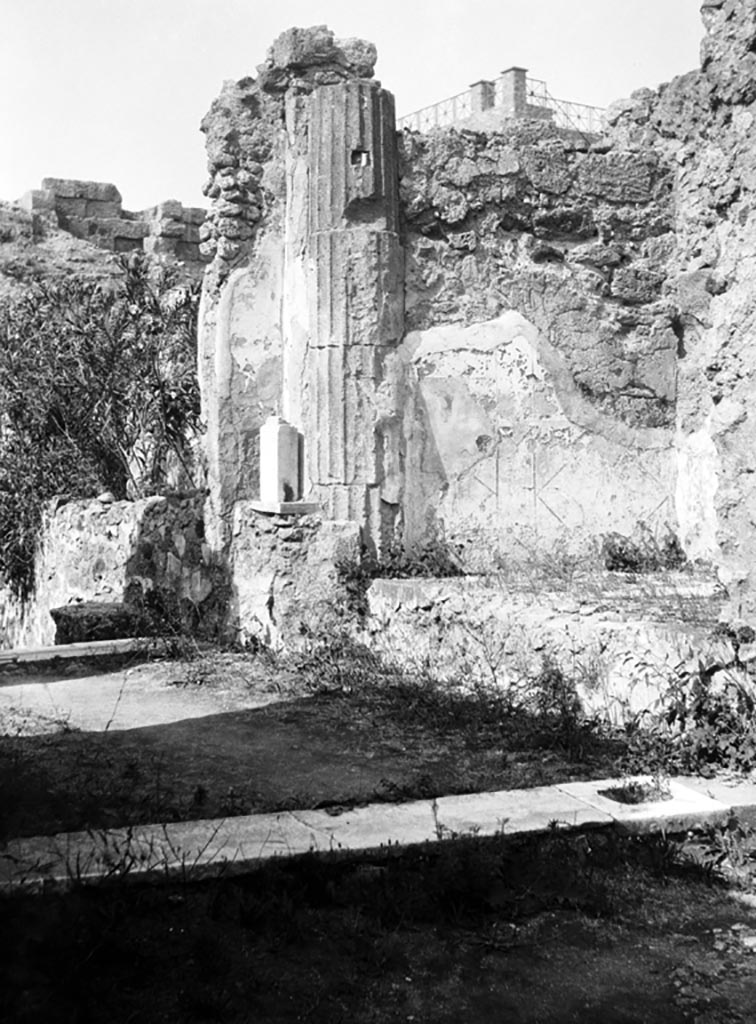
(98, 392)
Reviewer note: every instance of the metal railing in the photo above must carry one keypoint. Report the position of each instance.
(439, 115)
(579, 117)
(540, 103)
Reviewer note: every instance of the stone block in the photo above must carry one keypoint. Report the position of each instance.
(636, 285)
(516, 811)
(170, 229)
(617, 177)
(73, 206)
(230, 205)
(38, 200)
(73, 188)
(102, 209)
(93, 620)
(194, 215)
(336, 541)
(170, 209)
(366, 828)
(281, 508)
(685, 808)
(226, 249)
(79, 227)
(126, 244)
(738, 795)
(280, 461)
(135, 229)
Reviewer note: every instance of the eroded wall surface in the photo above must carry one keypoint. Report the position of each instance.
(619, 640)
(111, 551)
(544, 339)
(303, 301)
(543, 349)
(703, 125)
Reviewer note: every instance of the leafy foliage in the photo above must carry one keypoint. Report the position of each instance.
(98, 391)
(644, 553)
(715, 720)
(705, 721)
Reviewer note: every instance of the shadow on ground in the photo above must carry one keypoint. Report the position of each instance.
(326, 750)
(553, 929)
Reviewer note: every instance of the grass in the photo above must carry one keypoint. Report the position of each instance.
(560, 927)
(352, 731)
(553, 929)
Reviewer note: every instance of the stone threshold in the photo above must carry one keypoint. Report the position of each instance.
(211, 848)
(85, 649)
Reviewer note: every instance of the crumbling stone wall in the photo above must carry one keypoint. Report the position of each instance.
(523, 337)
(538, 353)
(283, 578)
(702, 125)
(277, 584)
(560, 324)
(93, 211)
(111, 551)
(542, 350)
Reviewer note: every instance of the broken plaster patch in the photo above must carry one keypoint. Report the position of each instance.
(508, 329)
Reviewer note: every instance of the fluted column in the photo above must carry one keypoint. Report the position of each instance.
(356, 295)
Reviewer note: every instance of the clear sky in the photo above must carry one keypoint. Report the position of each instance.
(114, 90)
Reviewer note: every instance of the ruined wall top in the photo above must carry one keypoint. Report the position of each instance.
(309, 57)
(728, 51)
(242, 134)
(93, 212)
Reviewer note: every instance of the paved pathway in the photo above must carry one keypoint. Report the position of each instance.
(138, 696)
(211, 847)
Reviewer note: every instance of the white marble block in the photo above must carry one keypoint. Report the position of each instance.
(280, 473)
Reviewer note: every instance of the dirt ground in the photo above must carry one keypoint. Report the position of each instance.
(553, 929)
(229, 735)
(572, 933)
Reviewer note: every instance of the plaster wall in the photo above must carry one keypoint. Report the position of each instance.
(492, 452)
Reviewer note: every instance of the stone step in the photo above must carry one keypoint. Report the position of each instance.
(198, 849)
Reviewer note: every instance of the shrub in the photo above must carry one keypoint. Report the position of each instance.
(647, 553)
(714, 717)
(98, 391)
(706, 720)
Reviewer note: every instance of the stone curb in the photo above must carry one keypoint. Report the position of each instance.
(206, 848)
(87, 649)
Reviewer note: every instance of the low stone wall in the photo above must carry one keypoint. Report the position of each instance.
(619, 638)
(93, 550)
(277, 584)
